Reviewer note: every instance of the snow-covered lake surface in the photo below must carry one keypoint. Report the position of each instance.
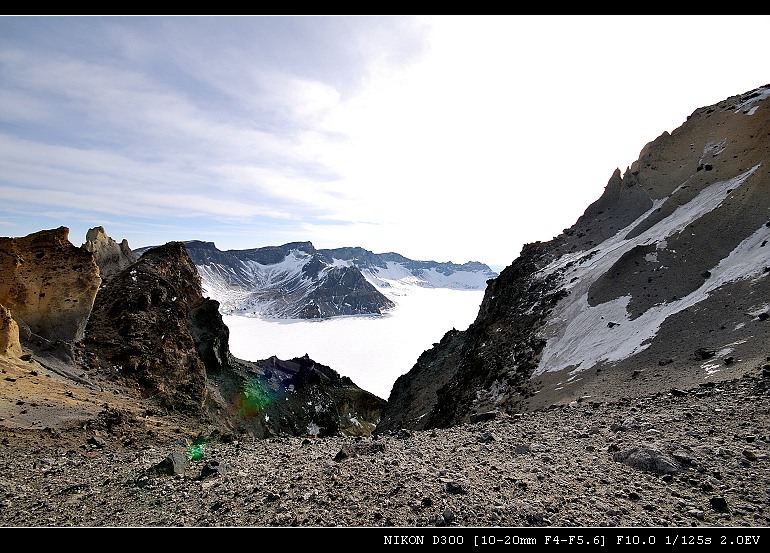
(372, 350)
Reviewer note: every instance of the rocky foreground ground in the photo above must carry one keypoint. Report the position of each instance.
(686, 458)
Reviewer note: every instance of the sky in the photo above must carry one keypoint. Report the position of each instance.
(443, 138)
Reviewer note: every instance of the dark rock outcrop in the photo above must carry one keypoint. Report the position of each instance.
(296, 397)
(441, 387)
(344, 291)
(139, 328)
(152, 329)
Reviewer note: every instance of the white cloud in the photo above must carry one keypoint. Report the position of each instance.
(451, 138)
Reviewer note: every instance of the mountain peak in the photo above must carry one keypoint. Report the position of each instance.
(672, 260)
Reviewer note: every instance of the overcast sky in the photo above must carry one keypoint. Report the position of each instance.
(453, 138)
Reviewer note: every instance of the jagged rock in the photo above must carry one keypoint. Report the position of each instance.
(354, 450)
(138, 328)
(648, 458)
(299, 397)
(214, 468)
(110, 256)
(176, 464)
(152, 329)
(9, 335)
(719, 503)
(48, 284)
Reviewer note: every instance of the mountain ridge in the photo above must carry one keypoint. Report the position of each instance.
(298, 281)
(661, 283)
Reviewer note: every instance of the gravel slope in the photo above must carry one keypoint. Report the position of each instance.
(686, 458)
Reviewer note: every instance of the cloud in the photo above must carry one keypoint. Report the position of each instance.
(452, 138)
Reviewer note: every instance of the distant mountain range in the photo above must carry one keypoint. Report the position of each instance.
(298, 281)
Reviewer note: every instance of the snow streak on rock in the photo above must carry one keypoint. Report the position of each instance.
(582, 336)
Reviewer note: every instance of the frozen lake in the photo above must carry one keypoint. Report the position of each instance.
(372, 350)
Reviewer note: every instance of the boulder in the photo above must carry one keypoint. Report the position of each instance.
(48, 284)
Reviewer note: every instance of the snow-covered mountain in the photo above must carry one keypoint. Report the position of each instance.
(394, 275)
(663, 283)
(298, 281)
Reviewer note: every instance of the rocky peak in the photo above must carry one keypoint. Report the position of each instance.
(152, 328)
(9, 335)
(139, 332)
(110, 256)
(662, 282)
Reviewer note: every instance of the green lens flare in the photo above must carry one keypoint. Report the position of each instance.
(254, 398)
(197, 451)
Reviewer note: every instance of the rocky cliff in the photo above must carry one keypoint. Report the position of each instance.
(661, 283)
(10, 347)
(139, 330)
(150, 337)
(48, 284)
(152, 327)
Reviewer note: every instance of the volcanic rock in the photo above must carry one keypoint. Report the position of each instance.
(670, 259)
(110, 256)
(9, 335)
(152, 330)
(48, 284)
(138, 328)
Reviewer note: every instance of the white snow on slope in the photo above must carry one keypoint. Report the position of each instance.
(274, 283)
(579, 335)
(228, 296)
(397, 280)
(285, 277)
(764, 93)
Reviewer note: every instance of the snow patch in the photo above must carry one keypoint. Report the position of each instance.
(580, 335)
(760, 95)
(313, 429)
